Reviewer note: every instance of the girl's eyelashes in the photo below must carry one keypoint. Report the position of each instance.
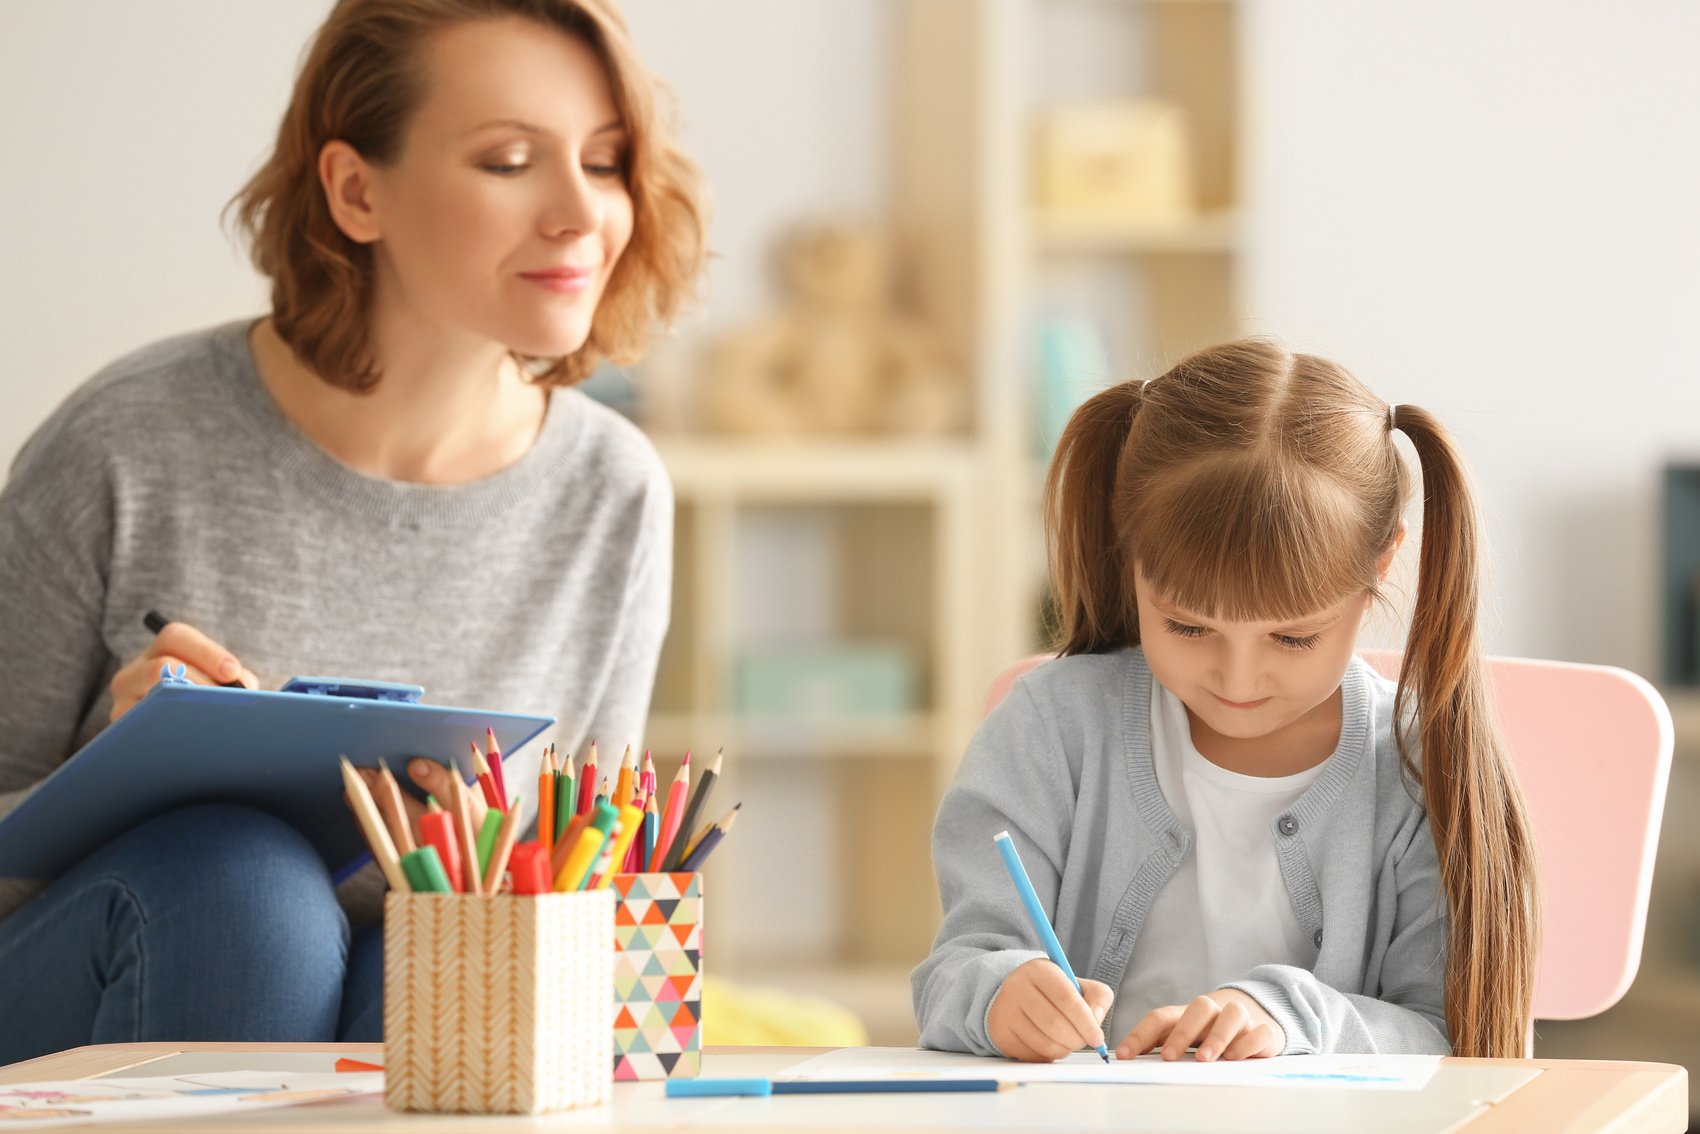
(1286, 641)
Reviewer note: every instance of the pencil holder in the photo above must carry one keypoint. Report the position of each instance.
(497, 1005)
(658, 976)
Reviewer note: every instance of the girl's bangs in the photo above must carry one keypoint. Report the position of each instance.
(1240, 538)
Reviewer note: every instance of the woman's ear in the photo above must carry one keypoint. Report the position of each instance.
(347, 181)
(1384, 564)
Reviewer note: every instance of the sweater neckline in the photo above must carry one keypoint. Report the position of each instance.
(303, 461)
(1335, 772)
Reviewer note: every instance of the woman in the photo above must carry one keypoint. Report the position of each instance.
(471, 202)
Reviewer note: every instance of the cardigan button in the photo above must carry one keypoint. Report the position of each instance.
(1287, 825)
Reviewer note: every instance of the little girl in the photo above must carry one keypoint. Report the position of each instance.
(1247, 841)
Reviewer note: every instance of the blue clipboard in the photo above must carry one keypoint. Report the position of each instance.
(277, 751)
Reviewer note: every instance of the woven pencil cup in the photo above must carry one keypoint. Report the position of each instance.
(497, 1005)
(658, 976)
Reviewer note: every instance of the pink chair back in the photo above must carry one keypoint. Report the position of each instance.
(1592, 747)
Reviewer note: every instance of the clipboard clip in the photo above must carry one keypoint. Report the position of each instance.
(352, 688)
(174, 674)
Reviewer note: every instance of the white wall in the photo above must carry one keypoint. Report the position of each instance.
(1489, 210)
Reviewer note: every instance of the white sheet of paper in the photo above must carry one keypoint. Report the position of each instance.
(33, 1105)
(1348, 1072)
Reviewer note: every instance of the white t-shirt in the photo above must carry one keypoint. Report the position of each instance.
(1226, 910)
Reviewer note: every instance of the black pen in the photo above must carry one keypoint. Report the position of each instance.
(155, 622)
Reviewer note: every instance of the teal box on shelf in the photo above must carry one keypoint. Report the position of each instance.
(845, 679)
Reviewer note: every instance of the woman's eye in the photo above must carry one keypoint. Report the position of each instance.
(1183, 629)
(503, 168)
(611, 168)
(1293, 643)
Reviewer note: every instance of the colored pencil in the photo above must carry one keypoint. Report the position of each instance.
(587, 848)
(486, 780)
(651, 831)
(710, 839)
(564, 845)
(1036, 914)
(586, 782)
(624, 780)
(693, 814)
(462, 812)
(372, 825)
(761, 1088)
(496, 776)
(631, 822)
(566, 801)
(395, 811)
(546, 802)
(488, 831)
(506, 837)
(646, 780)
(674, 811)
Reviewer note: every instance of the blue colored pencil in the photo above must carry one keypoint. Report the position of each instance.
(761, 1088)
(1036, 914)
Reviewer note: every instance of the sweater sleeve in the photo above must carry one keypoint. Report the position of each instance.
(1407, 1016)
(56, 531)
(1013, 778)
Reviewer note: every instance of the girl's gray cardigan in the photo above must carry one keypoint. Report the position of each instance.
(1064, 764)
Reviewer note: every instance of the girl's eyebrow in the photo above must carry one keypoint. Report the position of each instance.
(1309, 625)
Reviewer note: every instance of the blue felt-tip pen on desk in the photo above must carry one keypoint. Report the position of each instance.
(761, 1088)
(1036, 914)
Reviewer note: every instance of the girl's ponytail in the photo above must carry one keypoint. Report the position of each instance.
(1475, 808)
(1094, 591)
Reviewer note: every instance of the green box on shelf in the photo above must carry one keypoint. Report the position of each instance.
(861, 679)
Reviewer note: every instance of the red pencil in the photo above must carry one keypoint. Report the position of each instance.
(486, 779)
(496, 776)
(587, 782)
(674, 810)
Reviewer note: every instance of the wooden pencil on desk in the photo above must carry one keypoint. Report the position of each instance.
(693, 814)
(710, 839)
(395, 811)
(372, 824)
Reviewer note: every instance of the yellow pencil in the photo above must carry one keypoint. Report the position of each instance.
(372, 823)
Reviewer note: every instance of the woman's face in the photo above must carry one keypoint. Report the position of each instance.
(507, 209)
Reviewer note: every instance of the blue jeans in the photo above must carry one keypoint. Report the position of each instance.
(213, 922)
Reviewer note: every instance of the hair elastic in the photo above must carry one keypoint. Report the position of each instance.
(1392, 417)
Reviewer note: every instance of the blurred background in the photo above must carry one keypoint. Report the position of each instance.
(939, 224)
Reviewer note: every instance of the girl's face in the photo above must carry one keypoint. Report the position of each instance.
(1248, 680)
(507, 209)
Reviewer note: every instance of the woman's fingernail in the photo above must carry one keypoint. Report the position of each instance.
(1206, 1054)
(227, 668)
(419, 769)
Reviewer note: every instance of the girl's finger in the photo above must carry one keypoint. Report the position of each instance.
(1198, 1017)
(1256, 1042)
(1040, 1030)
(1231, 1023)
(1078, 1026)
(184, 641)
(1149, 1032)
(439, 781)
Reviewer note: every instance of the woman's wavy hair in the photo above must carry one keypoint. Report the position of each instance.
(362, 80)
(1252, 484)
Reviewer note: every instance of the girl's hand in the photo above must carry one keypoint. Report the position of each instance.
(1037, 1017)
(204, 660)
(1226, 1024)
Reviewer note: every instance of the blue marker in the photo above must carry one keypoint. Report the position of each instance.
(1036, 914)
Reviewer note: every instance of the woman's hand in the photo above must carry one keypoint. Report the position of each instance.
(205, 663)
(438, 782)
(1226, 1024)
(1037, 1017)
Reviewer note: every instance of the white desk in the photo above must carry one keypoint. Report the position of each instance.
(1477, 1096)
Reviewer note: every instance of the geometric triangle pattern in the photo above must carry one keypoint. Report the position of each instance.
(657, 976)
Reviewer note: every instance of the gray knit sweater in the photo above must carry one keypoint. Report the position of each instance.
(1064, 763)
(171, 481)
